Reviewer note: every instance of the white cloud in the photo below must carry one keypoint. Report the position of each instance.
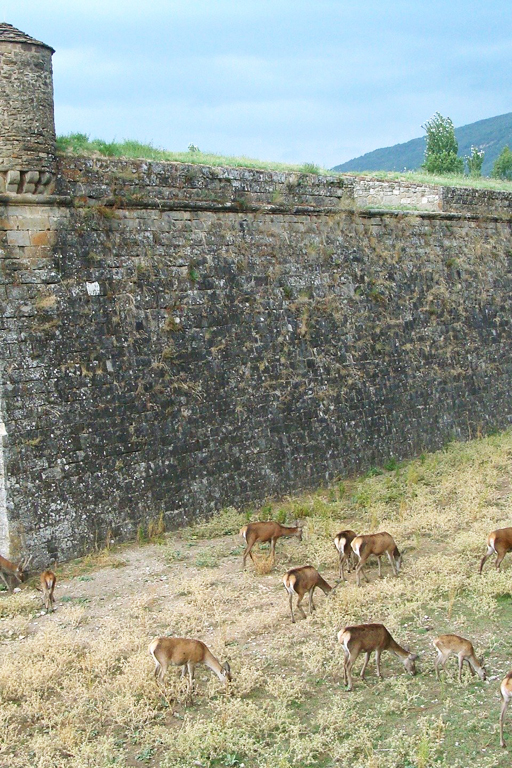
(321, 81)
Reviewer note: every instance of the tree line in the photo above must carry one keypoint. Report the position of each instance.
(441, 153)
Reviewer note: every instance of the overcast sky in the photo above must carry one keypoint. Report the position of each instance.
(296, 81)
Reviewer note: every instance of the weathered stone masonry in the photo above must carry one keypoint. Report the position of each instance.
(178, 338)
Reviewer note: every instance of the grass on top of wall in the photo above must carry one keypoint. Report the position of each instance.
(77, 687)
(449, 180)
(81, 144)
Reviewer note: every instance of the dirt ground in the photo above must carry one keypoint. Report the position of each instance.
(77, 687)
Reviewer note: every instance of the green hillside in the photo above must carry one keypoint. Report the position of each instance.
(491, 135)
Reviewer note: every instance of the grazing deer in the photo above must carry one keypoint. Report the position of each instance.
(9, 571)
(448, 644)
(376, 544)
(342, 542)
(367, 638)
(298, 581)
(185, 653)
(498, 542)
(506, 696)
(48, 580)
(267, 531)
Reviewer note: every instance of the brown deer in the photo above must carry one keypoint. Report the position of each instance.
(48, 580)
(463, 649)
(506, 696)
(367, 638)
(266, 531)
(10, 571)
(185, 653)
(498, 542)
(298, 581)
(376, 544)
(342, 542)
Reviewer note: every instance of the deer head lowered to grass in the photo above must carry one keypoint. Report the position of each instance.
(185, 652)
(376, 544)
(266, 531)
(298, 581)
(453, 644)
(366, 638)
(10, 571)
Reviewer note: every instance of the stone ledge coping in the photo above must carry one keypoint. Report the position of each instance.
(28, 199)
(267, 208)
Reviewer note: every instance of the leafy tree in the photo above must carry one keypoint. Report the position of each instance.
(502, 168)
(474, 162)
(442, 146)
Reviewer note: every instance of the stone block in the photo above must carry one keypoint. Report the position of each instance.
(12, 181)
(18, 237)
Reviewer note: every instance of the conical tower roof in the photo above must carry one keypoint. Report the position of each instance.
(9, 34)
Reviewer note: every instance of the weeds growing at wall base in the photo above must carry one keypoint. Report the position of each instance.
(76, 686)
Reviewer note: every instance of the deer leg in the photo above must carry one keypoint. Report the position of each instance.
(490, 550)
(499, 558)
(291, 607)
(359, 570)
(273, 549)
(190, 668)
(377, 662)
(392, 564)
(247, 552)
(461, 662)
(437, 662)
(350, 663)
(7, 583)
(504, 706)
(470, 666)
(365, 663)
(342, 563)
(380, 567)
(299, 606)
(160, 671)
(311, 603)
(345, 662)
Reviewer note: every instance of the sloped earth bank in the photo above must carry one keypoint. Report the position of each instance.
(77, 687)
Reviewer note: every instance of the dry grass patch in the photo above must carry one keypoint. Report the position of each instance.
(263, 564)
(103, 558)
(78, 690)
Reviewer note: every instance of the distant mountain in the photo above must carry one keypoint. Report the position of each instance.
(491, 135)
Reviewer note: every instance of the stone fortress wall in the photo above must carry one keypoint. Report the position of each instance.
(371, 192)
(177, 338)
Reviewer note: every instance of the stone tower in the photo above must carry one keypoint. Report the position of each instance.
(27, 129)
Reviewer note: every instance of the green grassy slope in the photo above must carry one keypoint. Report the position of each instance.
(491, 135)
